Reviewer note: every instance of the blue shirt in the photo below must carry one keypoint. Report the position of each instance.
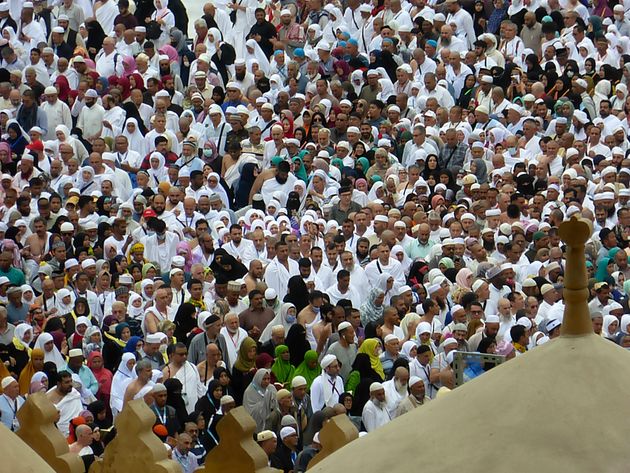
(87, 378)
(8, 410)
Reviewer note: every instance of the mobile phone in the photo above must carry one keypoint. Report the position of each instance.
(516, 79)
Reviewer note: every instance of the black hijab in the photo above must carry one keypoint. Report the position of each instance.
(297, 343)
(298, 293)
(185, 321)
(175, 400)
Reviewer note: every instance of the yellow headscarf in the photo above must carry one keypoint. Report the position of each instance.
(369, 348)
(28, 371)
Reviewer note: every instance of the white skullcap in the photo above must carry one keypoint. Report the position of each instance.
(327, 361)
(376, 387)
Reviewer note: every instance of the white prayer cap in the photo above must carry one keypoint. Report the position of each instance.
(162, 93)
(4, 6)
(323, 45)
(140, 29)
(552, 324)
(525, 322)
(63, 17)
(91, 93)
(365, 8)
(6, 381)
(467, 216)
(285, 12)
(287, 432)
(390, 338)
(232, 85)
(265, 435)
(154, 338)
(617, 150)
(75, 352)
(433, 288)
(546, 288)
(492, 319)
(343, 325)
(477, 284)
(528, 282)
(449, 341)
(327, 361)
(298, 382)
(353, 129)
(27, 5)
(414, 380)
(163, 57)
(48, 50)
(582, 83)
(374, 387)
(570, 153)
(493, 213)
(609, 170)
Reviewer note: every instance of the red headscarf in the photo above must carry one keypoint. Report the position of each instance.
(63, 86)
(102, 375)
(138, 80)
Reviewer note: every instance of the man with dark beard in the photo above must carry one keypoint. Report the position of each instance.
(263, 31)
(283, 181)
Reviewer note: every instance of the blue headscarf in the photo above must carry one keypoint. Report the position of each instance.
(131, 344)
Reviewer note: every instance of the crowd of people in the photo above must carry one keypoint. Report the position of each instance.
(304, 209)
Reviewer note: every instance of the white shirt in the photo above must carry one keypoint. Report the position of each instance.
(374, 416)
(109, 64)
(277, 275)
(325, 396)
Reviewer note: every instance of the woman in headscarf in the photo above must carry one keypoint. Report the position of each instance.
(157, 171)
(602, 92)
(210, 403)
(186, 56)
(372, 309)
(297, 293)
(221, 54)
(124, 375)
(34, 365)
(605, 268)
(92, 341)
(226, 265)
(259, 399)
(215, 185)
(95, 38)
(468, 91)
(372, 347)
(244, 366)
(386, 89)
(361, 377)
(309, 368)
(114, 344)
(99, 411)
(282, 368)
(17, 138)
(165, 18)
(185, 321)
(253, 51)
(46, 343)
(249, 172)
(19, 348)
(174, 399)
(286, 317)
(135, 138)
(39, 383)
(102, 375)
(610, 326)
(297, 343)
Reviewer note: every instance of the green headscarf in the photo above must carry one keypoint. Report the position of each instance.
(145, 269)
(337, 162)
(602, 270)
(309, 374)
(276, 160)
(448, 262)
(300, 172)
(243, 363)
(283, 370)
(365, 164)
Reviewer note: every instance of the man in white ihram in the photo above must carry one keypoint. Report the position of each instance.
(328, 386)
(375, 410)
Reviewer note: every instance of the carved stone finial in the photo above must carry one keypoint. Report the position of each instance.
(237, 451)
(577, 320)
(336, 433)
(37, 428)
(135, 448)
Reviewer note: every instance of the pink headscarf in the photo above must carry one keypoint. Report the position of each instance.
(129, 65)
(183, 246)
(170, 51)
(10, 245)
